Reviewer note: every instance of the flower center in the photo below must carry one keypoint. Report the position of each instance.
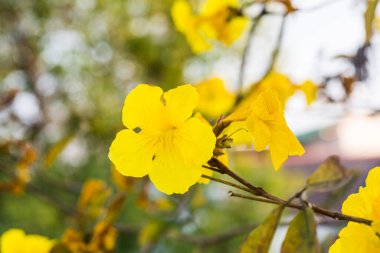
(166, 139)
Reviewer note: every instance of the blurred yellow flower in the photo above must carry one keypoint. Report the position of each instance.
(310, 90)
(16, 241)
(93, 196)
(266, 122)
(150, 233)
(279, 83)
(283, 87)
(162, 140)
(214, 99)
(216, 20)
(360, 238)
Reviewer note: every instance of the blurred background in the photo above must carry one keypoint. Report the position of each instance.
(66, 67)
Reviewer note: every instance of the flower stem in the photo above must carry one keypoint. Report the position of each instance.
(263, 196)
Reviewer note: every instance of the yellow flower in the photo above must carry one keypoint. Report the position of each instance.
(216, 20)
(281, 84)
(365, 204)
(283, 87)
(266, 122)
(356, 238)
(16, 241)
(162, 140)
(268, 127)
(214, 99)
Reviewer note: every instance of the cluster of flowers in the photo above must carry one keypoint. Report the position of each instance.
(164, 140)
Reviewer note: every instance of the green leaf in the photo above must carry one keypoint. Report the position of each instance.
(369, 16)
(302, 235)
(260, 238)
(329, 176)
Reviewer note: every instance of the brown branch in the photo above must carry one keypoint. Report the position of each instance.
(211, 168)
(232, 194)
(316, 209)
(260, 192)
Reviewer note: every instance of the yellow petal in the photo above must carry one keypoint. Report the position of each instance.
(284, 143)
(197, 140)
(280, 84)
(132, 153)
(15, 241)
(182, 15)
(178, 162)
(376, 226)
(268, 127)
(187, 23)
(260, 132)
(180, 103)
(357, 205)
(239, 115)
(234, 29)
(214, 99)
(279, 148)
(170, 174)
(336, 247)
(143, 108)
(357, 238)
(37, 243)
(238, 131)
(267, 106)
(12, 241)
(373, 181)
(197, 42)
(211, 7)
(310, 90)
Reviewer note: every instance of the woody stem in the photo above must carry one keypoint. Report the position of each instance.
(261, 195)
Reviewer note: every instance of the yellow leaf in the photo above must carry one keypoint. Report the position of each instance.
(56, 150)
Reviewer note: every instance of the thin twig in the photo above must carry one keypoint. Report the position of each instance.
(277, 47)
(255, 24)
(260, 192)
(211, 168)
(233, 194)
(227, 183)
